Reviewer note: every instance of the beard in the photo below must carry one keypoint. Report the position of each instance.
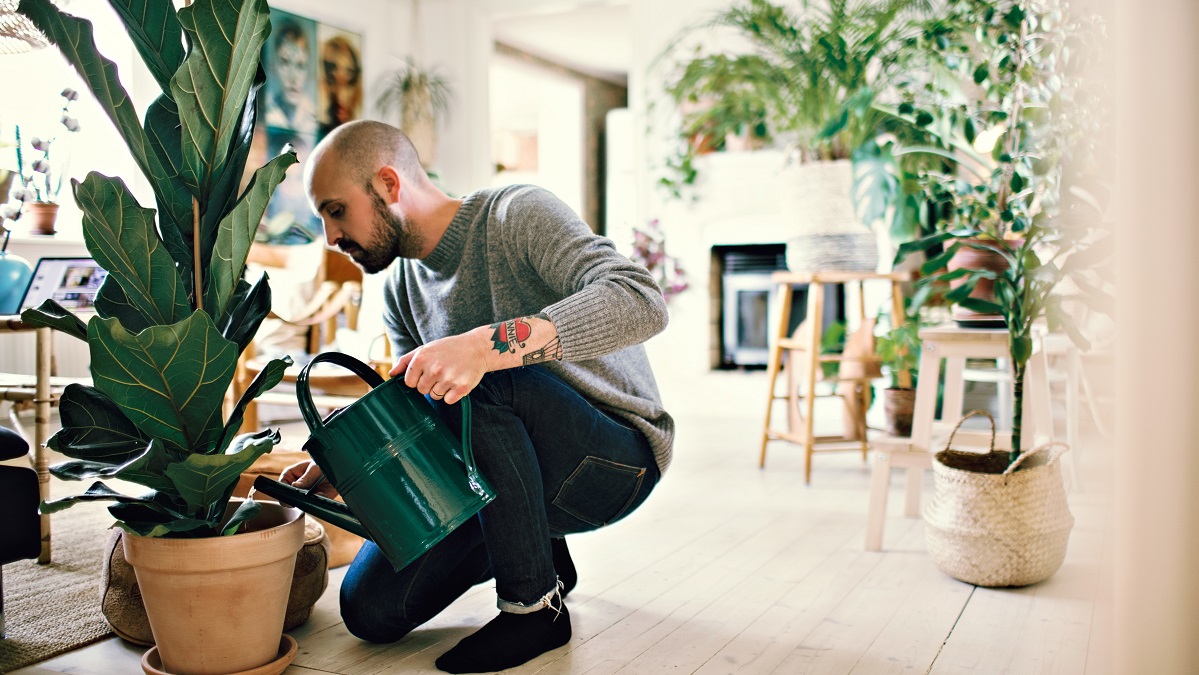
(391, 237)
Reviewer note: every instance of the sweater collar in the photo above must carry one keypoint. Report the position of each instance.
(448, 251)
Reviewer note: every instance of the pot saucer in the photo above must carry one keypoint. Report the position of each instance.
(152, 664)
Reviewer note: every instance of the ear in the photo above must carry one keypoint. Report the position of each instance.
(389, 184)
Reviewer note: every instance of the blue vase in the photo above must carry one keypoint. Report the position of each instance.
(14, 278)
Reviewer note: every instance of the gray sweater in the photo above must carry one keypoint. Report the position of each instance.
(518, 251)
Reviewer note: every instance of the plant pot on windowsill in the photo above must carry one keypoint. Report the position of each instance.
(42, 217)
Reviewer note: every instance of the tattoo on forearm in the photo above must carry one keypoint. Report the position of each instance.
(510, 334)
(550, 352)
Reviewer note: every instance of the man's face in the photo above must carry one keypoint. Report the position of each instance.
(358, 221)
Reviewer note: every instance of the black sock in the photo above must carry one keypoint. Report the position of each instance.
(510, 640)
(563, 565)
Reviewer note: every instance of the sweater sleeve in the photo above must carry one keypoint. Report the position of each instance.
(608, 301)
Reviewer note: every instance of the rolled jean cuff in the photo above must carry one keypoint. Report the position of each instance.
(536, 606)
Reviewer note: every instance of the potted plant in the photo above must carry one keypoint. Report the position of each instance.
(172, 317)
(41, 185)
(422, 98)
(899, 350)
(1016, 50)
(809, 78)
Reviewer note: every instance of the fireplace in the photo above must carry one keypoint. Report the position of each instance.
(744, 301)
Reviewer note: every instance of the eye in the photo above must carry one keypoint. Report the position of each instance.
(335, 211)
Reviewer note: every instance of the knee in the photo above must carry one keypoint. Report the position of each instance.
(367, 620)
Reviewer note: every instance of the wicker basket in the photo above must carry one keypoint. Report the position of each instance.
(993, 527)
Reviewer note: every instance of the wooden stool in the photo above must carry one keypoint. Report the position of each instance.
(808, 348)
(955, 345)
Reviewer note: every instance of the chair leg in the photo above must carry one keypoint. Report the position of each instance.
(2, 633)
(876, 513)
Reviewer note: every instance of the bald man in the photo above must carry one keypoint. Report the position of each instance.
(508, 296)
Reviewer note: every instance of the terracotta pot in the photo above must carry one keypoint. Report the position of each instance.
(968, 257)
(898, 405)
(217, 604)
(42, 215)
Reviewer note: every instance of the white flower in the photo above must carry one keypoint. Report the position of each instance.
(70, 123)
(41, 165)
(39, 144)
(70, 94)
(22, 195)
(10, 211)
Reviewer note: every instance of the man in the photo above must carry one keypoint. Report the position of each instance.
(505, 295)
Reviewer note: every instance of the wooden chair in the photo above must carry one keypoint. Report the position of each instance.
(804, 348)
(333, 305)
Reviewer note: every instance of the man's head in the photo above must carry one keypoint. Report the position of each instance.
(362, 181)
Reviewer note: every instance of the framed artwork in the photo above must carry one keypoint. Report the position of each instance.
(339, 94)
(313, 84)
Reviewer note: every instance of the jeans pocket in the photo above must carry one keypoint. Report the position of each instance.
(600, 491)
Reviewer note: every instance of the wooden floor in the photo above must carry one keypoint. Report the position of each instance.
(728, 568)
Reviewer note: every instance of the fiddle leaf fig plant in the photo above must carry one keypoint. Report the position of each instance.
(175, 310)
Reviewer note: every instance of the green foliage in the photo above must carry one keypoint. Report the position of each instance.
(175, 312)
(899, 349)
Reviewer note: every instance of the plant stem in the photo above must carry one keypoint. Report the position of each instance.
(1017, 410)
(199, 288)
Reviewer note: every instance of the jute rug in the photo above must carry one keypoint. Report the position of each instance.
(55, 608)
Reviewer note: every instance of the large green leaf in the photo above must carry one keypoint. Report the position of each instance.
(111, 302)
(97, 492)
(120, 235)
(162, 128)
(94, 428)
(155, 31)
(237, 231)
(169, 380)
(266, 378)
(245, 312)
(147, 468)
(203, 479)
(875, 180)
(224, 194)
(50, 314)
(244, 513)
(158, 514)
(73, 36)
(214, 82)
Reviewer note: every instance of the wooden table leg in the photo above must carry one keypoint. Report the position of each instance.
(814, 317)
(41, 405)
(772, 370)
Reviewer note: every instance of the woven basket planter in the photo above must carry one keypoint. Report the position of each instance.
(994, 527)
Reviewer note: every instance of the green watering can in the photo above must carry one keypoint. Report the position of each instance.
(405, 479)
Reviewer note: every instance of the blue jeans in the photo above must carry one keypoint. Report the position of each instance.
(558, 466)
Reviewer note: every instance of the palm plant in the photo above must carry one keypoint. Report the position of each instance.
(809, 76)
(175, 310)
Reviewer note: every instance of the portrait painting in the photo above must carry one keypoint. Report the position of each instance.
(339, 90)
(290, 61)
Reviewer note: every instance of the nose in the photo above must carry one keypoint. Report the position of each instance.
(332, 236)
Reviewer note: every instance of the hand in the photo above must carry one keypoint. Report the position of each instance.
(445, 369)
(303, 475)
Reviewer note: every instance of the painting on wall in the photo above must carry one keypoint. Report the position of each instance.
(313, 84)
(339, 94)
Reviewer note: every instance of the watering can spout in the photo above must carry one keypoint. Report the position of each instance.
(329, 510)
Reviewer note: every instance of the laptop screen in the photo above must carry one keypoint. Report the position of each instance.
(71, 282)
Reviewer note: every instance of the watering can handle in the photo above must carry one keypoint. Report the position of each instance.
(304, 395)
(314, 421)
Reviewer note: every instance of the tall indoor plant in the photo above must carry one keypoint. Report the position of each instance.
(1001, 519)
(172, 317)
(422, 97)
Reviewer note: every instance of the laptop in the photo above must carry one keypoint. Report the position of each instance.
(71, 282)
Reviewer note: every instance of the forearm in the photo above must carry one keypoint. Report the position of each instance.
(522, 341)
(449, 368)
